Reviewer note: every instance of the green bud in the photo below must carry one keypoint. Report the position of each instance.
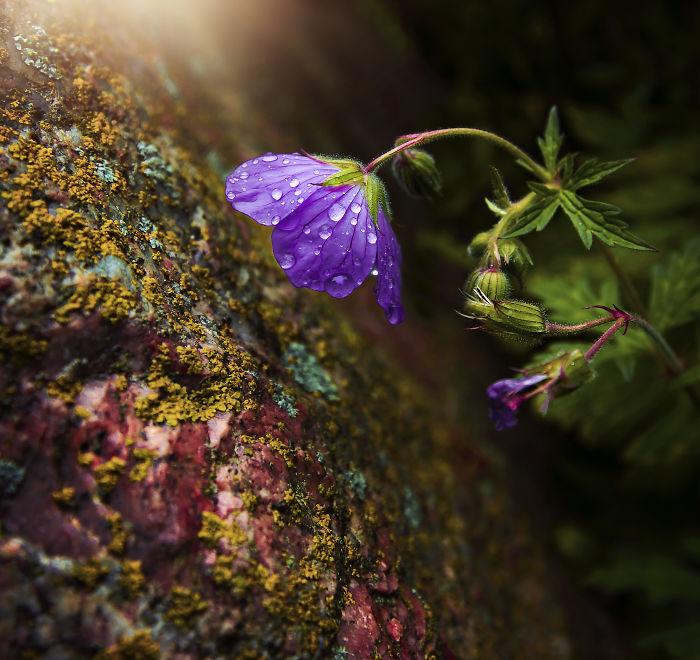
(492, 281)
(519, 316)
(568, 371)
(479, 244)
(417, 173)
(514, 255)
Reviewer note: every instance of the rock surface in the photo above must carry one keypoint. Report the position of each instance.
(197, 460)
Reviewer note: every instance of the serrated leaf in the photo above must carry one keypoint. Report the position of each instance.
(675, 288)
(541, 189)
(551, 142)
(566, 166)
(592, 171)
(534, 218)
(500, 192)
(590, 219)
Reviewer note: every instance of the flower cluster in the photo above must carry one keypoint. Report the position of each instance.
(325, 237)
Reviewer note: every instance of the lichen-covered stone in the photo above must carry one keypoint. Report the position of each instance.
(197, 460)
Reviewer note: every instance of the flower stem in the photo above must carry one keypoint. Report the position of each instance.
(603, 339)
(415, 139)
(573, 329)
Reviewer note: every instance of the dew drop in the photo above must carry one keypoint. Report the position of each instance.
(244, 165)
(244, 175)
(300, 200)
(355, 208)
(336, 212)
(297, 192)
(230, 195)
(268, 158)
(307, 229)
(375, 272)
(353, 222)
(371, 238)
(317, 251)
(276, 220)
(287, 261)
(294, 183)
(285, 161)
(276, 194)
(339, 285)
(324, 232)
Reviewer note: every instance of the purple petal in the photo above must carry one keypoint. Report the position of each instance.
(329, 242)
(270, 187)
(388, 288)
(504, 401)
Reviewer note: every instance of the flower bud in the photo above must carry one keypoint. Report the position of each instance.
(417, 173)
(519, 316)
(479, 244)
(566, 372)
(492, 281)
(515, 255)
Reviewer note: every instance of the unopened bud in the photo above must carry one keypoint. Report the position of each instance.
(479, 244)
(417, 173)
(514, 255)
(519, 316)
(492, 281)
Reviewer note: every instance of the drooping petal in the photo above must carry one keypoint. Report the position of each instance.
(270, 187)
(504, 400)
(329, 243)
(388, 288)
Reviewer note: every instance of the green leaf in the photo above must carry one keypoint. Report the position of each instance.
(592, 171)
(551, 142)
(500, 192)
(675, 288)
(595, 219)
(494, 208)
(535, 217)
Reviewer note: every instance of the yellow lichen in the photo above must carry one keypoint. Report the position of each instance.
(90, 572)
(132, 578)
(111, 298)
(144, 462)
(139, 646)
(119, 533)
(64, 497)
(184, 606)
(107, 475)
(215, 529)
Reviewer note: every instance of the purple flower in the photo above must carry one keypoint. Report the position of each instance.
(324, 237)
(505, 399)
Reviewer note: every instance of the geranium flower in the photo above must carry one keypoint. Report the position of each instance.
(505, 399)
(325, 237)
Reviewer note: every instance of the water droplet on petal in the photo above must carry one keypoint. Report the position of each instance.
(230, 195)
(300, 200)
(276, 194)
(294, 183)
(256, 161)
(297, 192)
(324, 232)
(375, 272)
(316, 172)
(355, 208)
(276, 220)
(244, 165)
(317, 251)
(268, 158)
(285, 161)
(287, 261)
(307, 229)
(244, 175)
(371, 238)
(353, 222)
(336, 212)
(339, 285)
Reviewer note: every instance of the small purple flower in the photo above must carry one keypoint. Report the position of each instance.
(324, 237)
(505, 399)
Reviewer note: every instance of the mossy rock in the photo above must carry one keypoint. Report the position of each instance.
(197, 459)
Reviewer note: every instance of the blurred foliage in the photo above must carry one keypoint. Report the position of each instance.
(626, 470)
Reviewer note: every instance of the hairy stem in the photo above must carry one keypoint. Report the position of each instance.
(603, 339)
(563, 329)
(415, 139)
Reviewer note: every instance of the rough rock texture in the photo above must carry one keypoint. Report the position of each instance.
(197, 460)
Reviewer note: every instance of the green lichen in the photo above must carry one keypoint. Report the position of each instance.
(308, 372)
(11, 476)
(285, 401)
